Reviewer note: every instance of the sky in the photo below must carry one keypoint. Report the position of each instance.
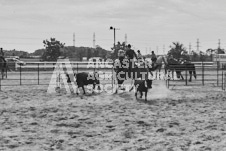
(150, 25)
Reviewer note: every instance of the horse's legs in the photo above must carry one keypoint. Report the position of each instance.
(136, 92)
(190, 73)
(2, 73)
(146, 95)
(172, 74)
(181, 76)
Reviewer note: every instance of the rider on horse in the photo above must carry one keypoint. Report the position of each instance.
(130, 54)
(153, 58)
(139, 55)
(121, 56)
(2, 56)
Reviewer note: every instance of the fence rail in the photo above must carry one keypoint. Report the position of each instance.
(39, 73)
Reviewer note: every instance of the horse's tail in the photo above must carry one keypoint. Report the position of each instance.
(194, 72)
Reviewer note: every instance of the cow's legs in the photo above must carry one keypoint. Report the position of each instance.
(146, 95)
(84, 92)
(94, 85)
(77, 90)
(141, 94)
(136, 93)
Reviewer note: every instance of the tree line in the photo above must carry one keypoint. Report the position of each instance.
(54, 48)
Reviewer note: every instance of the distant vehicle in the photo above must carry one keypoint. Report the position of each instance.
(17, 61)
(96, 59)
(16, 57)
(61, 57)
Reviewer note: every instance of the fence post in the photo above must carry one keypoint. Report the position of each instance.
(168, 82)
(112, 78)
(7, 70)
(222, 79)
(186, 75)
(0, 84)
(202, 74)
(217, 73)
(77, 67)
(38, 73)
(20, 75)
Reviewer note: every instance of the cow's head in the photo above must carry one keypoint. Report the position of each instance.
(148, 83)
(178, 74)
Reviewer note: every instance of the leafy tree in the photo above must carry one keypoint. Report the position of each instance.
(38, 52)
(178, 51)
(220, 51)
(52, 49)
(101, 52)
(210, 51)
(89, 53)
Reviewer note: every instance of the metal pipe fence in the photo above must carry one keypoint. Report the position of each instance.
(40, 73)
(206, 75)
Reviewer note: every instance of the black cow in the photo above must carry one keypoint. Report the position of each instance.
(85, 78)
(142, 86)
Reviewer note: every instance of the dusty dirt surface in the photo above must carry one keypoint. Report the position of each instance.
(182, 119)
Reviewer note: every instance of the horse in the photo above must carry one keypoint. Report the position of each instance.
(137, 71)
(157, 66)
(3, 67)
(173, 64)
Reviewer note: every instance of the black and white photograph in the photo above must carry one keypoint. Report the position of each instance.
(112, 75)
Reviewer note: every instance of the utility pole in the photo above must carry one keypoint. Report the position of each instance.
(198, 45)
(146, 50)
(189, 48)
(219, 43)
(125, 39)
(74, 39)
(163, 49)
(157, 49)
(112, 28)
(94, 41)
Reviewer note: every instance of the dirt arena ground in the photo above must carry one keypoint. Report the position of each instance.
(182, 119)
